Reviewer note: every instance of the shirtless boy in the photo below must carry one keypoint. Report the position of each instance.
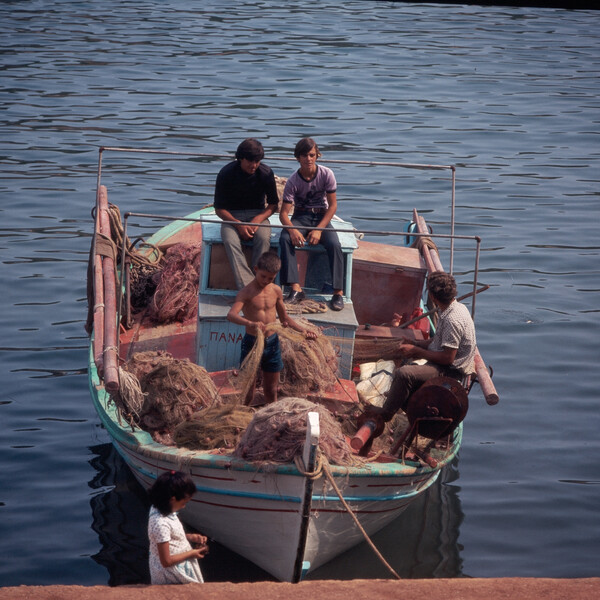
(261, 302)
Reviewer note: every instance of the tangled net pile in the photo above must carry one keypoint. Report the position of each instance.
(141, 363)
(215, 427)
(142, 284)
(158, 392)
(176, 295)
(309, 366)
(277, 433)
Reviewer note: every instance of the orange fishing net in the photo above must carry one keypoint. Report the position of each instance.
(277, 433)
(308, 365)
(157, 391)
(176, 295)
(215, 427)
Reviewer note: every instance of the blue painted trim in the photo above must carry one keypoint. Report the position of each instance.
(393, 497)
(211, 490)
(269, 497)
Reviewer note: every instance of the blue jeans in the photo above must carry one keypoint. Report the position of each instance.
(329, 240)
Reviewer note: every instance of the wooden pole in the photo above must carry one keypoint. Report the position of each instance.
(433, 253)
(485, 381)
(111, 369)
(431, 256)
(98, 346)
(98, 315)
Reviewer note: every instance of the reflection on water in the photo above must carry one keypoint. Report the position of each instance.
(422, 543)
(119, 511)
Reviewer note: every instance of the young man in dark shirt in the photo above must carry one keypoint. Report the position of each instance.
(241, 189)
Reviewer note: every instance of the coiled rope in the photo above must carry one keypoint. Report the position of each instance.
(135, 256)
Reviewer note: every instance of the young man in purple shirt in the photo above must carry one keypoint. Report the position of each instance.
(311, 190)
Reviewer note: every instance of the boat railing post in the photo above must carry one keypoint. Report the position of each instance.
(475, 274)
(309, 456)
(452, 218)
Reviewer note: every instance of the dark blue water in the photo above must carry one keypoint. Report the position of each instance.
(509, 95)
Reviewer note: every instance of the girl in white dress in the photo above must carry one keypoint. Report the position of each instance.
(172, 558)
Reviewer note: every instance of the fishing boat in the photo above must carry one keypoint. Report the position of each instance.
(288, 518)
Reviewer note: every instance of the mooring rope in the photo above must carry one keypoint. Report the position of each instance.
(322, 466)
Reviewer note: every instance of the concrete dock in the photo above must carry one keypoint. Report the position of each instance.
(360, 589)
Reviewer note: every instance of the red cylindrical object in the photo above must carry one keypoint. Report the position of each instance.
(363, 434)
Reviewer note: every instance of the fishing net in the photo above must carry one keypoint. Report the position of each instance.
(277, 433)
(142, 284)
(372, 350)
(141, 363)
(306, 306)
(175, 390)
(176, 295)
(157, 391)
(214, 427)
(309, 365)
(129, 398)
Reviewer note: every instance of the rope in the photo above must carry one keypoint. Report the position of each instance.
(318, 466)
(424, 241)
(322, 466)
(106, 247)
(306, 307)
(117, 233)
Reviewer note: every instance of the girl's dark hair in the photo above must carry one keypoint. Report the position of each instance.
(442, 285)
(304, 146)
(250, 149)
(168, 485)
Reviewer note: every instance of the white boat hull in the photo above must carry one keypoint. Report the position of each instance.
(256, 510)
